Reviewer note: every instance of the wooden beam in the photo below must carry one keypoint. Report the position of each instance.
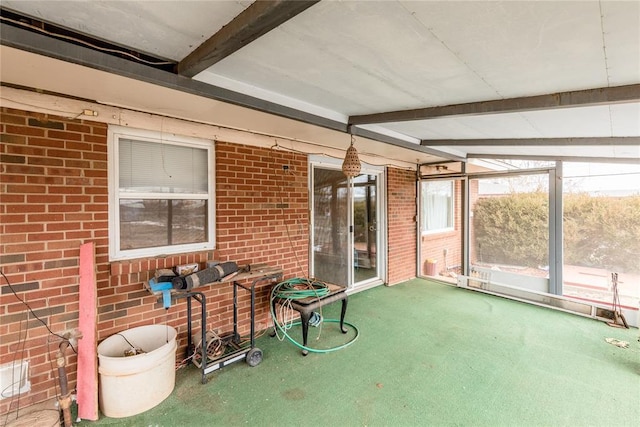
(369, 134)
(622, 160)
(533, 142)
(256, 20)
(578, 98)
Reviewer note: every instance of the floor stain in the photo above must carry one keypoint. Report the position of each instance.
(293, 394)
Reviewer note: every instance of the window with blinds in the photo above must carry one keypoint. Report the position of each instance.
(161, 194)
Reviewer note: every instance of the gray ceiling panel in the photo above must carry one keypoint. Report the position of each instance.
(338, 59)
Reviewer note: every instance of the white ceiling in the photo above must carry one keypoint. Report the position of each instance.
(339, 59)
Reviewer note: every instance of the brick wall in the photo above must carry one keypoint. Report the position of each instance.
(262, 215)
(53, 189)
(401, 218)
(53, 198)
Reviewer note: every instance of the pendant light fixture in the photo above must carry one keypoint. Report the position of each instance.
(351, 163)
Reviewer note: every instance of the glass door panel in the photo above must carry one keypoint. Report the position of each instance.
(365, 228)
(330, 226)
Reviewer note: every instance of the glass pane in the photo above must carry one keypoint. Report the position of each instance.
(154, 223)
(162, 168)
(440, 252)
(602, 232)
(331, 231)
(437, 205)
(365, 227)
(509, 238)
(189, 219)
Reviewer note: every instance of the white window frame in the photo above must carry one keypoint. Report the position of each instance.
(452, 206)
(114, 134)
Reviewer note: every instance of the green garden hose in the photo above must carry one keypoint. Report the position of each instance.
(298, 288)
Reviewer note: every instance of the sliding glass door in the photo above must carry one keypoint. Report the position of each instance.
(330, 261)
(347, 229)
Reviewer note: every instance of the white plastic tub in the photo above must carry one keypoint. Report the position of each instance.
(133, 384)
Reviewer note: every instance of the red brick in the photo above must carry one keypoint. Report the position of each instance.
(56, 134)
(74, 127)
(13, 119)
(44, 199)
(23, 169)
(12, 219)
(22, 227)
(26, 188)
(30, 208)
(13, 179)
(47, 180)
(43, 237)
(45, 217)
(12, 198)
(23, 130)
(45, 142)
(45, 161)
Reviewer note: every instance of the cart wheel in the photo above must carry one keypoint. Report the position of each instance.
(254, 357)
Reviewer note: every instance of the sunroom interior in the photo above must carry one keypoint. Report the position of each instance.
(499, 145)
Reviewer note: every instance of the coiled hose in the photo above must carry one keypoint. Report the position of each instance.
(297, 289)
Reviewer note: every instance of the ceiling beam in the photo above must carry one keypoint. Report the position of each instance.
(624, 160)
(255, 21)
(578, 98)
(534, 142)
(40, 44)
(376, 136)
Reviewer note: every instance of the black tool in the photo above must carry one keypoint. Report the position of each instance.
(203, 277)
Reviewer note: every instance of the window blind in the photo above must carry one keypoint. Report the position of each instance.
(151, 167)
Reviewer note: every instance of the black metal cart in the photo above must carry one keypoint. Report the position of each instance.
(258, 274)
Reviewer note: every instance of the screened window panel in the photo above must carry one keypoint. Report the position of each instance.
(151, 167)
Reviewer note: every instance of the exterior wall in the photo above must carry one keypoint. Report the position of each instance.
(53, 191)
(402, 241)
(54, 197)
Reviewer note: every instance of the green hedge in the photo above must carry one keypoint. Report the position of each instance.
(601, 232)
(512, 229)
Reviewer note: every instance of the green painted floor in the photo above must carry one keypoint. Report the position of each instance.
(427, 354)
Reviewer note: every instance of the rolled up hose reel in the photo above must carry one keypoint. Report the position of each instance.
(203, 277)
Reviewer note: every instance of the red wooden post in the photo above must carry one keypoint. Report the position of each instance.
(87, 345)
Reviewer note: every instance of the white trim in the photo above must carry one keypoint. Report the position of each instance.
(114, 133)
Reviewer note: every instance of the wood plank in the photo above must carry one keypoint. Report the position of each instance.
(531, 142)
(87, 346)
(253, 22)
(577, 98)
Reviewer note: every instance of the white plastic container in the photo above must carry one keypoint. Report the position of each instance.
(133, 384)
